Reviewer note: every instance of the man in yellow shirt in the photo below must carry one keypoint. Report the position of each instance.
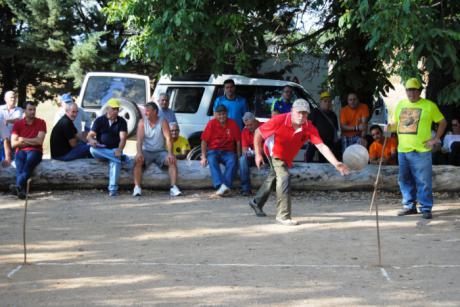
(413, 119)
(181, 146)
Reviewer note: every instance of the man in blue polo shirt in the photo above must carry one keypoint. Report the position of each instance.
(236, 105)
(108, 139)
(283, 104)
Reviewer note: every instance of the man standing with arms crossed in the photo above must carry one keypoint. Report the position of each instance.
(284, 135)
(413, 119)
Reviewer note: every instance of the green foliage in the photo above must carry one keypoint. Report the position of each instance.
(50, 45)
(198, 35)
(414, 37)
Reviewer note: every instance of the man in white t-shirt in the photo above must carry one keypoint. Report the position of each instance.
(10, 114)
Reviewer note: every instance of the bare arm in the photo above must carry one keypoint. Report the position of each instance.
(8, 154)
(238, 148)
(73, 142)
(167, 136)
(140, 136)
(169, 143)
(327, 153)
(91, 138)
(437, 138)
(258, 140)
(38, 140)
(204, 148)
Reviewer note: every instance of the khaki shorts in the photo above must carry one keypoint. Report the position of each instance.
(157, 157)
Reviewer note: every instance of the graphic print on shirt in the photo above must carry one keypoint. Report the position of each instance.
(409, 119)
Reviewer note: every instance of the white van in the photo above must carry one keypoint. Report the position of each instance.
(191, 98)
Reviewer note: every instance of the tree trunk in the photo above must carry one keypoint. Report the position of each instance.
(92, 174)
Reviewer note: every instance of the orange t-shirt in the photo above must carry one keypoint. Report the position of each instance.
(376, 149)
(353, 117)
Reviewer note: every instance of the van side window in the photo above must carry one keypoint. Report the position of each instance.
(185, 99)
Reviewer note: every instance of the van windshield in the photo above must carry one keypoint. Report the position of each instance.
(99, 89)
(260, 97)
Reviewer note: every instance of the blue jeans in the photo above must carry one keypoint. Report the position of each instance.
(26, 161)
(245, 163)
(114, 165)
(348, 141)
(228, 159)
(81, 151)
(415, 179)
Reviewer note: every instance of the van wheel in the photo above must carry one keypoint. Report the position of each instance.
(129, 112)
(195, 153)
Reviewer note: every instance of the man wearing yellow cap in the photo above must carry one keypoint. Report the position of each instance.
(108, 139)
(325, 120)
(413, 118)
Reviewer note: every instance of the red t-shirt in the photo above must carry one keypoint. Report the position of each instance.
(21, 129)
(247, 137)
(283, 141)
(220, 137)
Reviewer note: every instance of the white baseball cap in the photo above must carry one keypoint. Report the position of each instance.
(301, 105)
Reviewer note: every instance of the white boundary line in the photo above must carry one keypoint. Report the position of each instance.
(385, 274)
(13, 271)
(254, 265)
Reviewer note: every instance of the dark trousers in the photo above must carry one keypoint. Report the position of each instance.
(26, 161)
(279, 174)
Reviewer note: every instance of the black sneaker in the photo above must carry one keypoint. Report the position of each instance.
(21, 194)
(246, 193)
(427, 215)
(406, 211)
(259, 212)
(14, 189)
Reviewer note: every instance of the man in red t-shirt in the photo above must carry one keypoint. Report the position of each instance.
(27, 139)
(220, 143)
(247, 146)
(284, 135)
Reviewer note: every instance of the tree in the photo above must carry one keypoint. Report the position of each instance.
(206, 36)
(414, 37)
(50, 45)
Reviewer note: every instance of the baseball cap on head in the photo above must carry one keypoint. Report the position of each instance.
(66, 98)
(413, 83)
(221, 108)
(324, 94)
(113, 103)
(301, 105)
(248, 116)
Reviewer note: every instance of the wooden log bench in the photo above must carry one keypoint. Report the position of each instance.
(91, 174)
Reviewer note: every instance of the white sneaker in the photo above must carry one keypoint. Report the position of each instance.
(223, 190)
(137, 191)
(174, 191)
(287, 222)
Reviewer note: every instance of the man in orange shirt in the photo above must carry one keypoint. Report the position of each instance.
(375, 150)
(353, 122)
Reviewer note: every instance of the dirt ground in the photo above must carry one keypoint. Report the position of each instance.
(85, 248)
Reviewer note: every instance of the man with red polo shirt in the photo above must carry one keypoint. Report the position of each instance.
(220, 143)
(27, 138)
(247, 147)
(284, 135)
